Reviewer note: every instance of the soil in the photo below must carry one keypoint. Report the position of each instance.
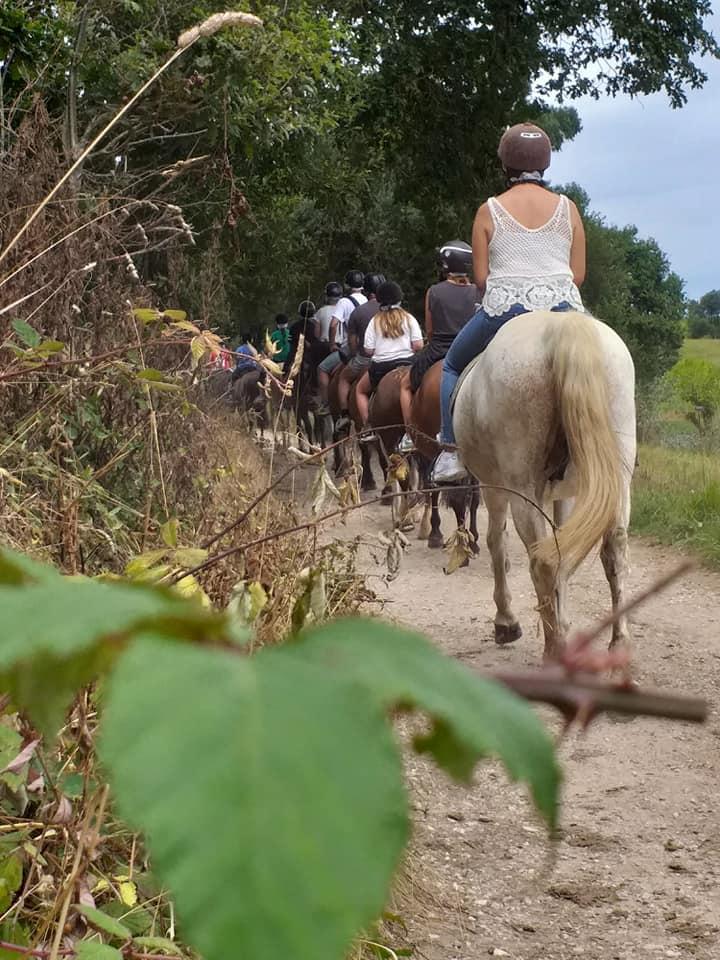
(636, 872)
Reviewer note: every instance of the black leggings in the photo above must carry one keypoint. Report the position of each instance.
(378, 370)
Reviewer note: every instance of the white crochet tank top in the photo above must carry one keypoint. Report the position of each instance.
(530, 266)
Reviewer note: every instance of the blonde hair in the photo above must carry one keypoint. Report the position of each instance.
(392, 323)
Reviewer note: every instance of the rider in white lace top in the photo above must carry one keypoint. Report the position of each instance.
(530, 266)
(528, 254)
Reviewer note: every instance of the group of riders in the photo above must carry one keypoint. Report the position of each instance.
(528, 253)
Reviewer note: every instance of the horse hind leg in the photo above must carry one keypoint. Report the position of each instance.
(475, 499)
(561, 511)
(507, 627)
(530, 525)
(435, 540)
(615, 561)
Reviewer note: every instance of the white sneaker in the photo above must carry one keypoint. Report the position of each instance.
(448, 468)
(406, 445)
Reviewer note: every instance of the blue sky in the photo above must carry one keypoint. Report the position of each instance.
(642, 162)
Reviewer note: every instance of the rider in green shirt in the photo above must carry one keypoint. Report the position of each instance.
(280, 337)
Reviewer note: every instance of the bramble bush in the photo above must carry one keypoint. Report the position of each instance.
(269, 787)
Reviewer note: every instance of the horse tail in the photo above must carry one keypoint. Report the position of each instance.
(582, 395)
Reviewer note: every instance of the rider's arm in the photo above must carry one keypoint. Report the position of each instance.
(333, 331)
(416, 340)
(428, 316)
(482, 231)
(577, 250)
(369, 342)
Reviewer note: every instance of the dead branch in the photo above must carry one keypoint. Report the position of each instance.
(584, 695)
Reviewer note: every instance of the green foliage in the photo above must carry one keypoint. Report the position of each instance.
(280, 802)
(106, 924)
(697, 382)
(478, 718)
(676, 499)
(630, 286)
(293, 760)
(704, 315)
(338, 136)
(94, 950)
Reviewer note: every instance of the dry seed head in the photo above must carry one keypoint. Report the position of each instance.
(297, 362)
(218, 21)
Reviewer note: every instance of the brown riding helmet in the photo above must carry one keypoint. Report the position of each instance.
(525, 147)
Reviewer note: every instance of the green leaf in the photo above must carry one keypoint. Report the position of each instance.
(13, 932)
(11, 875)
(284, 839)
(157, 944)
(179, 316)
(136, 919)
(59, 634)
(16, 568)
(72, 785)
(94, 950)
(143, 563)
(169, 532)
(156, 378)
(474, 717)
(146, 314)
(101, 921)
(48, 347)
(189, 557)
(10, 746)
(27, 334)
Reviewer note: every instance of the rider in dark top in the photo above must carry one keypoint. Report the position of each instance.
(449, 305)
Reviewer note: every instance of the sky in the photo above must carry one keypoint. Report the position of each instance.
(642, 162)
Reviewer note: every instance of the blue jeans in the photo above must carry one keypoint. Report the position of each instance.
(471, 341)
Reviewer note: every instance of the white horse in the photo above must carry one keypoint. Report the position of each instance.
(548, 410)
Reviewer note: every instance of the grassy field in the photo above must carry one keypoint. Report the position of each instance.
(704, 349)
(676, 499)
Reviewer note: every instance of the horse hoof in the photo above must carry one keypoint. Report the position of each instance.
(507, 633)
(368, 486)
(435, 541)
(474, 548)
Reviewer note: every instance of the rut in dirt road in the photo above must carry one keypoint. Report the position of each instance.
(637, 867)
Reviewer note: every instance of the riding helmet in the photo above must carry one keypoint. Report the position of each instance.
(354, 279)
(389, 293)
(525, 147)
(455, 256)
(306, 309)
(333, 290)
(371, 282)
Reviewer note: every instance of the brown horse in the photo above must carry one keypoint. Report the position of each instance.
(423, 428)
(249, 397)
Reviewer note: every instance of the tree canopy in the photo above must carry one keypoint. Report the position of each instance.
(704, 315)
(340, 135)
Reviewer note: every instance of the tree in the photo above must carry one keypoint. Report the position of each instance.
(704, 315)
(341, 135)
(630, 285)
(697, 383)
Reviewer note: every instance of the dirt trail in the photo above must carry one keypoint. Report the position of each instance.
(637, 872)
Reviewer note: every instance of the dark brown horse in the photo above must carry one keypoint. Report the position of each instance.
(423, 428)
(249, 397)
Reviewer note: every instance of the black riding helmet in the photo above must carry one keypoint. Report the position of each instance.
(455, 256)
(306, 309)
(371, 282)
(389, 293)
(333, 290)
(354, 279)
